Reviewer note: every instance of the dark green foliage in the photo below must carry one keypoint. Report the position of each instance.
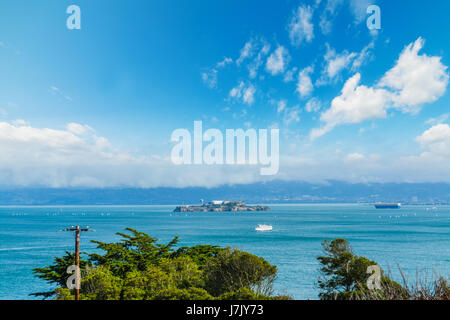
(232, 270)
(139, 268)
(134, 252)
(199, 254)
(57, 272)
(344, 276)
(342, 272)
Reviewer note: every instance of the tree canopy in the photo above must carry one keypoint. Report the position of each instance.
(139, 268)
(344, 275)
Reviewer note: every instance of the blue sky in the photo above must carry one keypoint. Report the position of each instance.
(97, 106)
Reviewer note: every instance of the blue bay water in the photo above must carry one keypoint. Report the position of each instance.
(415, 237)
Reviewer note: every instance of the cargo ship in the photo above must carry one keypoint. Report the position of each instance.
(388, 205)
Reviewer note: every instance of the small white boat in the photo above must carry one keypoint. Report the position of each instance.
(263, 227)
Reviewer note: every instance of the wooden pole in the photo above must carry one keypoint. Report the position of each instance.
(77, 259)
(77, 231)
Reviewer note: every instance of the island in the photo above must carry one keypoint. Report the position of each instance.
(221, 206)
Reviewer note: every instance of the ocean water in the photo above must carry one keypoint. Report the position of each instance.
(417, 238)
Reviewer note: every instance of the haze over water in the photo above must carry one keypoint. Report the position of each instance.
(415, 237)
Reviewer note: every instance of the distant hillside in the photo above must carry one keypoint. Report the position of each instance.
(269, 192)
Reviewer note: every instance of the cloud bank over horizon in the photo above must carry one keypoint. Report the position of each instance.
(77, 157)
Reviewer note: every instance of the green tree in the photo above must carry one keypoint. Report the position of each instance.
(57, 273)
(139, 268)
(232, 270)
(342, 272)
(344, 275)
(134, 252)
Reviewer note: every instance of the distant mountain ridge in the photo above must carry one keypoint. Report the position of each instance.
(268, 192)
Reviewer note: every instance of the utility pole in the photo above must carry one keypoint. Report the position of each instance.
(77, 231)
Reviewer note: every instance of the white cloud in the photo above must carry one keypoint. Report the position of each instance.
(58, 158)
(413, 81)
(277, 61)
(436, 139)
(301, 28)
(243, 93)
(313, 105)
(359, 9)
(236, 92)
(328, 14)
(50, 157)
(304, 84)
(355, 104)
(78, 129)
(335, 63)
(258, 60)
(20, 122)
(281, 105)
(224, 62)
(417, 79)
(354, 157)
(210, 78)
(291, 115)
(249, 95)
(363, 56)
(246, 52)
(441, 119)
(289, 75)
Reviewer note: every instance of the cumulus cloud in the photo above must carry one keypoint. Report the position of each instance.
(438, 120)
(59, 158)
(277, 61)
(281, 105)
(301, 28)
(224, 62)
(209, 77)
(291, 115)
(436, 139)
(335, 63)
(243, 93)
(363, 56)
(246, 51)
(313, 105)
(254, 65)
(416, 79)
(326, 18)
(249, 95)
(304, 84)
(289, 75)
(78, 129)
(413, 81)
(355, 104)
